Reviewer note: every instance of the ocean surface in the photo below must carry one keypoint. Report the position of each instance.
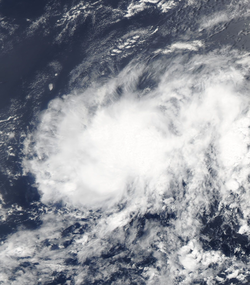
(124, 142)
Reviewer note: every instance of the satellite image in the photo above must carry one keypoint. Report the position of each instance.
(124, 142)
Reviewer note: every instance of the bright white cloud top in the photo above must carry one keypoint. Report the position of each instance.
(95, 148)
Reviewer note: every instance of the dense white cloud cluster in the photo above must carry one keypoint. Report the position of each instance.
(94, 149)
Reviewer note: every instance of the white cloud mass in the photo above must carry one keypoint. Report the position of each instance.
(94, 149)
